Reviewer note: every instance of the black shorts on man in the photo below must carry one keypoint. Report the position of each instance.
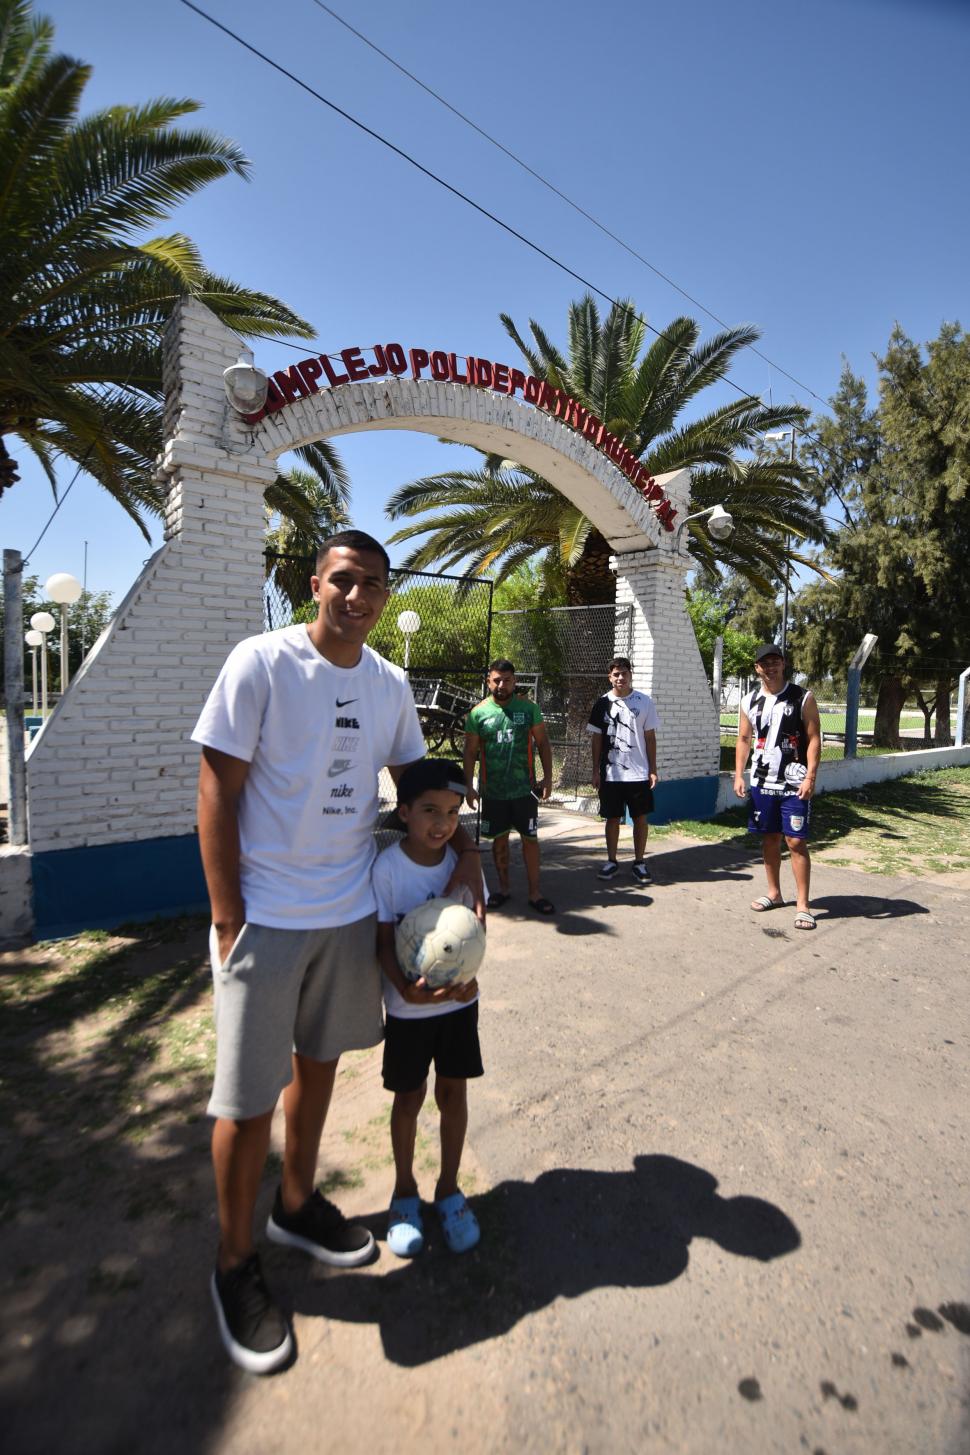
(615, 798)
(450, 1041)
(500, 815)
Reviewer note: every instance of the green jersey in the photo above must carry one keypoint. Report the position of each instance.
(506, 733)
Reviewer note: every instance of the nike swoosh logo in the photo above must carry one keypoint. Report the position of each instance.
(346, 701)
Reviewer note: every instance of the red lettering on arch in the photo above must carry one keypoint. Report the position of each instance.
(354, 363)
(311, 371)
(331, 372)
(419, 360)
(396, 361)
(500, 378)
(291, 383)
(532, 389)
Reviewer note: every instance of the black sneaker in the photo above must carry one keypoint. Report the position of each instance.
(254, 1331)
(321, 1230)
(608, 870)
(642, 874)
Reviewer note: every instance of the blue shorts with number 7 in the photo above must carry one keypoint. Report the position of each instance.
(776, 813)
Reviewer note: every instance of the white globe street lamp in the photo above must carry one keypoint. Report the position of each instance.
(42, 622)
(408, 623)
(65, 590)
(34, 640)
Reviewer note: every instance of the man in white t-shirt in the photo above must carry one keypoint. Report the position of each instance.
(623, 735)
(294, 734)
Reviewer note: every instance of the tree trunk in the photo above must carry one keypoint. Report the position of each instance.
(943, 738)
(927, 712)
(892, 696)
(9, 474)
(591, 582)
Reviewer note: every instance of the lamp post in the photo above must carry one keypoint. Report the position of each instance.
(64, 590)
(720, 523)
(780, 434)
(408, 623)
(34, 639)
(43, 622)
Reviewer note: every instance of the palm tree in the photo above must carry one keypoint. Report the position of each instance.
(307, 506)
(85, 294)
(496, 517)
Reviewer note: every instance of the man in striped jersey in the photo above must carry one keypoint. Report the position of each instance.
(782, 720)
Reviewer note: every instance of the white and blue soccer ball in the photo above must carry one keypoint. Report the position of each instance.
(441, 940)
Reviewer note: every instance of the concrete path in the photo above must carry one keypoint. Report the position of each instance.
(721, 1169)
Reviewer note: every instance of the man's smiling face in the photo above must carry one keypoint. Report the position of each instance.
(351, 591)
(771, 670)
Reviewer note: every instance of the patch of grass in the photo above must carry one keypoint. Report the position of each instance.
(911, 825)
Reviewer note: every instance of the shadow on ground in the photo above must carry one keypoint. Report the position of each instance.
(566, 1233)
(105, 1324)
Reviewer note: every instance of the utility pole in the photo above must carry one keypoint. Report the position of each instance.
(13, 682)
(784, 603)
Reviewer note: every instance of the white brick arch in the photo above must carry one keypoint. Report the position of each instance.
(492, 422)
(111, 779)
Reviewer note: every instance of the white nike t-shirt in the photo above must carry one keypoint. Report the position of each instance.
(316, 737)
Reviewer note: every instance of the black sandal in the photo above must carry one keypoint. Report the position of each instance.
(542, 906)
(496, 900)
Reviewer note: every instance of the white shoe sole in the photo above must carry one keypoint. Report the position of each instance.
(248, 1359)
(286, 1239)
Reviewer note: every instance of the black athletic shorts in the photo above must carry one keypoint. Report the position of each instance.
(615, 797)
(449, 1040)
(499, 815)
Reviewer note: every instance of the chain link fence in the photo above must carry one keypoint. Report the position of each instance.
(561, 656)
(925, 697)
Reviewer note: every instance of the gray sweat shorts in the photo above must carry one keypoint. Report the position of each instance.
(316, 992)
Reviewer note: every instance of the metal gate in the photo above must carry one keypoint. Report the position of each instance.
(562, 654)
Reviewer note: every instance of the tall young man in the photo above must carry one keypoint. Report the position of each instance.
(782, 719)
(293, 735)
(623, 735)
(501, 736)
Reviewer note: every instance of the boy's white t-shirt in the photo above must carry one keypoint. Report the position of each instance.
(400, 885)
(316, 737)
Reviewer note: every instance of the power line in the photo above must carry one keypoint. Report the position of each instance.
(449, 187)
(557, 192)
(476, 206)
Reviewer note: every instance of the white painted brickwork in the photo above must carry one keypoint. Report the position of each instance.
(114, 762)
(666, 661)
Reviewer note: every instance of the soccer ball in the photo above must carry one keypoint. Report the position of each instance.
(441, 940)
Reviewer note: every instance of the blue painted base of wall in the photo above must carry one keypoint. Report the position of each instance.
(685, 798)
(115, 884)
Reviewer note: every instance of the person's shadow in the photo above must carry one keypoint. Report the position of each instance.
(568, 1232)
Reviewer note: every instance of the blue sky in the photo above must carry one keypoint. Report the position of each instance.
(798, 167)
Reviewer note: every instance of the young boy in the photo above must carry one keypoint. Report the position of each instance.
(425, 1025)
(623, 734)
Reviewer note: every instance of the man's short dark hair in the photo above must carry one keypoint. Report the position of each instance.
(502, 664)
(623, 663)
(352, 540)
(429, 776)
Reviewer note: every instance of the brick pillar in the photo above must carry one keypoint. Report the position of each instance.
(667, 663)
(113, 765)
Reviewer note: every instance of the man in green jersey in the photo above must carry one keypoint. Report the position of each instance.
(501, 734)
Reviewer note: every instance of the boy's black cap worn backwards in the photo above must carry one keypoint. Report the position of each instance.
(768, 649)
(429, 775)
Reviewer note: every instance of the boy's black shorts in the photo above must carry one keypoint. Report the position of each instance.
(449, 1040)
(615, 797)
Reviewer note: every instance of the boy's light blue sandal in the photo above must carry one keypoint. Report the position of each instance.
(458, 1223)
(405, 1230)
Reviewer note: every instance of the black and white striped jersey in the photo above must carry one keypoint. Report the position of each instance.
(780, 741)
